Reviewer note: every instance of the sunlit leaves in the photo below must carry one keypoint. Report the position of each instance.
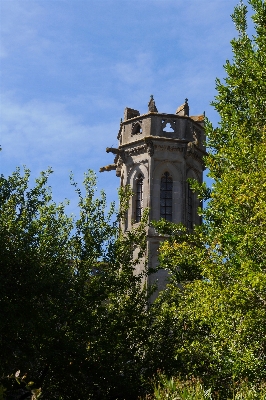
(224, 306)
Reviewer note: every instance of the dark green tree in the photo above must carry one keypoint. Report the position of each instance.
(73, 314)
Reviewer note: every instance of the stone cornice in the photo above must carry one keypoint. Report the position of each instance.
(151, 147)
(153, 144)
(148, 140)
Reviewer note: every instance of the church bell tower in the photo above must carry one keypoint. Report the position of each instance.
(156, 155)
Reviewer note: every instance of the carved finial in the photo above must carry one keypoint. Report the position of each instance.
(183, 109)
(151, 105)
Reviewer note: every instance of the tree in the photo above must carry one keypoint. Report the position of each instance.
(220, 321)
(74, 317)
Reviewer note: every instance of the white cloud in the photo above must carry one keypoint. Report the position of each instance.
(69, 69)
(16, 24)
(46, 134)
(42, 134)
(138, 70)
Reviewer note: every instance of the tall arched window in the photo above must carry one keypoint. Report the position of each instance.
(166, 197)
(189, 207)
(139, 198)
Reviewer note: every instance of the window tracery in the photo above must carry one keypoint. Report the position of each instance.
(166, 197)
(189, 208)
(136, 128)
(139, 198)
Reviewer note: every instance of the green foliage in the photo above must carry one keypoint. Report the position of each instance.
(75, 317)
(16, 387)
(192, 389)
(219, 326)
(177, 389)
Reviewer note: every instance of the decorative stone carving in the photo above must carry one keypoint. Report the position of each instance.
(119, 165)
(118, 161)
(136, 150)
(151, 105)
(112, 150)
(191, 145)
(183, 109)
(197, 133)
(150, 148)
(109, 167)
(161, 147)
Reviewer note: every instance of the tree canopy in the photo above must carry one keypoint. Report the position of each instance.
(222, 302)
(74, 314)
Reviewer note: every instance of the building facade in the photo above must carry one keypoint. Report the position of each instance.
(156, 155)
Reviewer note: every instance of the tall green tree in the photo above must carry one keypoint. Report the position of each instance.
(73, 314)
(218, 314)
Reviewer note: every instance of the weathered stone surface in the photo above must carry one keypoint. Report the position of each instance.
(183, 109)
(130, 113)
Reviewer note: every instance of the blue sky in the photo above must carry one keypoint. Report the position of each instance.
(70, 67)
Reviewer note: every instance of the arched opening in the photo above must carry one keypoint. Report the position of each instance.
(168, 128)
(139, 198)
(189, 207)
(136, 129)
(166, 197)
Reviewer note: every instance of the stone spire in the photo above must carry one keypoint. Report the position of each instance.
(183, 109)
(151, 105)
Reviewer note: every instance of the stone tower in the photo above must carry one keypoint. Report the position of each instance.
(157, 153)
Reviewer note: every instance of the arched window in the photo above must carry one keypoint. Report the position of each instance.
(139, 198)
(166, 197)
(136, 129)
(189, 207)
